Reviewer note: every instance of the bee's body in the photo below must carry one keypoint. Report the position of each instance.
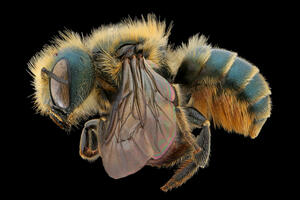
(221, 77)
(149, 96)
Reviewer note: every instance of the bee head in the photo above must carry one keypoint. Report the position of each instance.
(63, 81)
(70, 82)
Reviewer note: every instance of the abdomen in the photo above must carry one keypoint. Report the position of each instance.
(227, 89)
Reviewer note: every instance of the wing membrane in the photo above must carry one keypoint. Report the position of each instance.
(142, 124)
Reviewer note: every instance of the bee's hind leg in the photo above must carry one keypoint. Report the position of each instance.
(190, 164)
(183, 124)
(203, 139)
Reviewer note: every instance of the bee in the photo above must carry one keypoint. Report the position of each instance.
(147, 95)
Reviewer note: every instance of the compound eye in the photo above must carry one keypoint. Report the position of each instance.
(60, 90)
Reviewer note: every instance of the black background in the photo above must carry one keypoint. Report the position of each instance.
(47, 162)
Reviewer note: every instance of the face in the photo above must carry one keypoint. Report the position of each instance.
(70, 71)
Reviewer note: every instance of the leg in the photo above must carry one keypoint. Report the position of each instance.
(191, 164)
(184, 127)
(89, 141)
(203, 139)
(186, 170)
(194, 117)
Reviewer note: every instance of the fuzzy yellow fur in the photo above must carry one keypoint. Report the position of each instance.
(45, 59)
(224, 109)
(175, 57)
(218, 104)
(107, 39)
(88, 107)
(150, 30)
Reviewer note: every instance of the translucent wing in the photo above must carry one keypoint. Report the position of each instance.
(142, 124)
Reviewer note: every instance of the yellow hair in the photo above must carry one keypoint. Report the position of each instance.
(45, 59)
(107, 39)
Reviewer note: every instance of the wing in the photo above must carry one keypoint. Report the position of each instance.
(227, 89)
(142, 123)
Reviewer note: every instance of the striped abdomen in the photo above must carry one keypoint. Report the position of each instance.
(227, 89)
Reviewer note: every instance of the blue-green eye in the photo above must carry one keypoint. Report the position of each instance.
(60, 91)
(71, 79)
